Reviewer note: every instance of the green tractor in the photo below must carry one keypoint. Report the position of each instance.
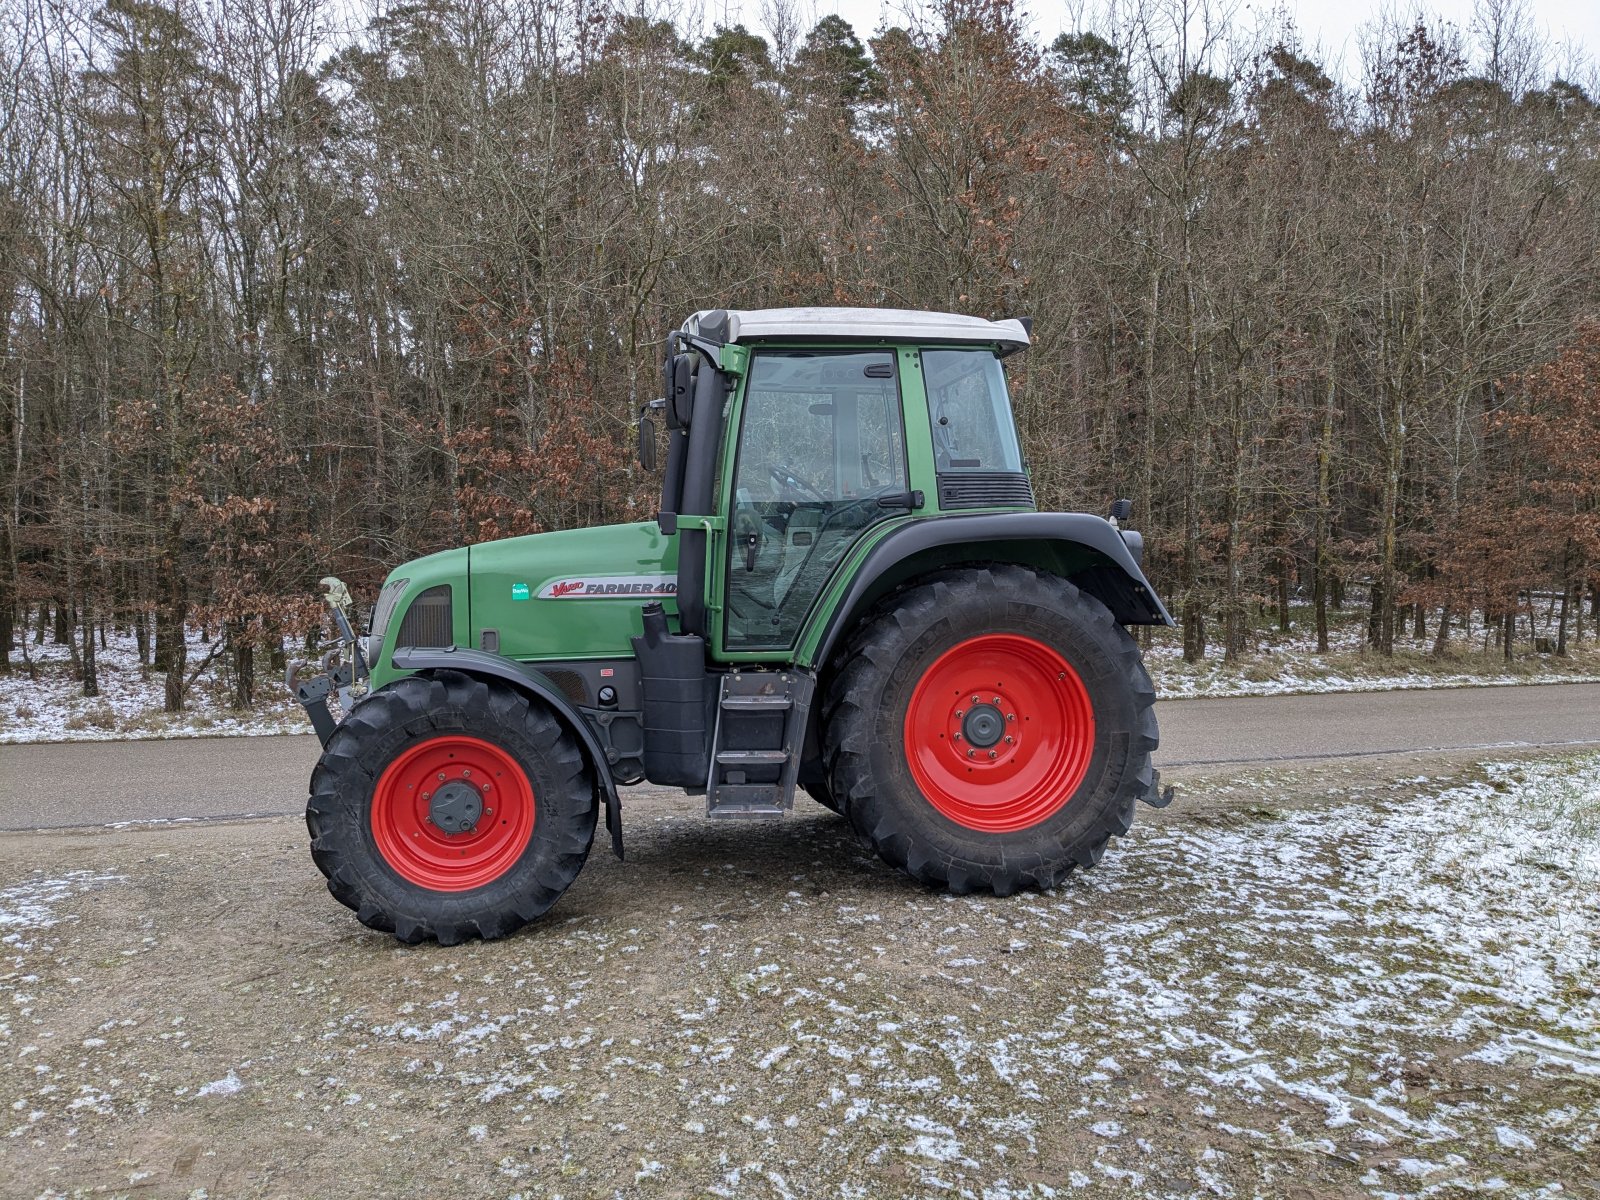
(847, 590)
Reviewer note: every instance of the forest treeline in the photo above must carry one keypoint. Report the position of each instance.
(283, 299)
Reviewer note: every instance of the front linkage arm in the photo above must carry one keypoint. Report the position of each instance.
(337, 675)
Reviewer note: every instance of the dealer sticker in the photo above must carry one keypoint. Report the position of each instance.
(519, 591)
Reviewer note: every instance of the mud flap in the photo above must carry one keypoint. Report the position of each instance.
(614, 821)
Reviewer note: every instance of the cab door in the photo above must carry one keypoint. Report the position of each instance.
(820, 459)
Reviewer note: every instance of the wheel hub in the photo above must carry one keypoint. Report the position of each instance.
(999, 732)
(456, 807)
(983, 725)
(453, 812)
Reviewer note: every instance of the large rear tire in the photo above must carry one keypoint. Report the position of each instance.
(449, 807)
(990, 729)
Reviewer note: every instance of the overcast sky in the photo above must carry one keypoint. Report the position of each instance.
(1572, 27)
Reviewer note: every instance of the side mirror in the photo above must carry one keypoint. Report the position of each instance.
(647, 441)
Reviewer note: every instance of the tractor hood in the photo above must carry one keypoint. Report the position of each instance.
(572, 594)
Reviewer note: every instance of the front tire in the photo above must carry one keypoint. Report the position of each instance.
(990, 729)
(449, 807)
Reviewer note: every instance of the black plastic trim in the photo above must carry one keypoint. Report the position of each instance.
(531, 680)
(984, 489)
(699, 474)
(1116, 579)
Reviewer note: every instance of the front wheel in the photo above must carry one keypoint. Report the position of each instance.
(990, 729)
(450, 807)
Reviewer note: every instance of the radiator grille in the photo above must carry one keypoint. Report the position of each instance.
(985, 489)
(428, 620)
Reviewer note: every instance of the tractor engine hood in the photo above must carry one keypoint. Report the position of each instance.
(576, 593)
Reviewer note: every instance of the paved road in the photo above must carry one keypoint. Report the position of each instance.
(92, 783)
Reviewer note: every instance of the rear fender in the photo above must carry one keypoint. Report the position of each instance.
(1084, 548)
(536, 685)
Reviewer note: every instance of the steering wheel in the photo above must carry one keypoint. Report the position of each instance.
(789, 483)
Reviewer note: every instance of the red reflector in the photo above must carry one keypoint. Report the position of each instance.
(607, 672)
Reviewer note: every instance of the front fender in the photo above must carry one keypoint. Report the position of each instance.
(1082, 547)
(535, 683)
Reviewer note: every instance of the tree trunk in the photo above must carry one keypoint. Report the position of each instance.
(8, 599)
(1561, 622)
(1419, 622)
(1441, 640)
(1509, 634)
(244, 667)
(61, 633)
(91, 677)
(171, 615)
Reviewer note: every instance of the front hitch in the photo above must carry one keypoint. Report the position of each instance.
(335, 676)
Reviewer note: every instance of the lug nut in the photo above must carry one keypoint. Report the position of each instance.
(441, 776)
(959, 714)
(992, 754)
(426, 795)
(1010, 741)
(958, 737)
(1011, 716)
(997, 701)
(466, 773)
(972, 754)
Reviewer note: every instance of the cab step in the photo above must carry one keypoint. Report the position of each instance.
(760, 700)
(749, 758)
(756, 746)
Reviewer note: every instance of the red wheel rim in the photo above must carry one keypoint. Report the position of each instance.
(403, 812)
(999, 733)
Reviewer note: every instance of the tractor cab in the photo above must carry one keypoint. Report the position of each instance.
(798, 432)
(847, 590)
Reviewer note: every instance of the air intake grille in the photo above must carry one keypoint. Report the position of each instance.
(985, 489)
(428, 620)
(570, 682)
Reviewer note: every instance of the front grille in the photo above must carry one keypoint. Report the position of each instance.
(985, 489)
(428, 620)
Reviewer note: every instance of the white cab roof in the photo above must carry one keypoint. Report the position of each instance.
(857, 324)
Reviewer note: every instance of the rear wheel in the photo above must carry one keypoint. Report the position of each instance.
(991, 729)
(450, 807)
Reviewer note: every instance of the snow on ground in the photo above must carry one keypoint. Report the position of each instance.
(53, 708)
(1279, 663)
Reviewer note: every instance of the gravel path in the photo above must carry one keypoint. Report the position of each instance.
(1305, 982)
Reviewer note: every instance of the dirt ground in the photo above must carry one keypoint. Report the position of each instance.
(1368, 978)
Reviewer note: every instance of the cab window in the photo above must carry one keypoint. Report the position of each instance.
(969, 411)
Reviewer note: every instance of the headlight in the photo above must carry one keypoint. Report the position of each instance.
(381, 612)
